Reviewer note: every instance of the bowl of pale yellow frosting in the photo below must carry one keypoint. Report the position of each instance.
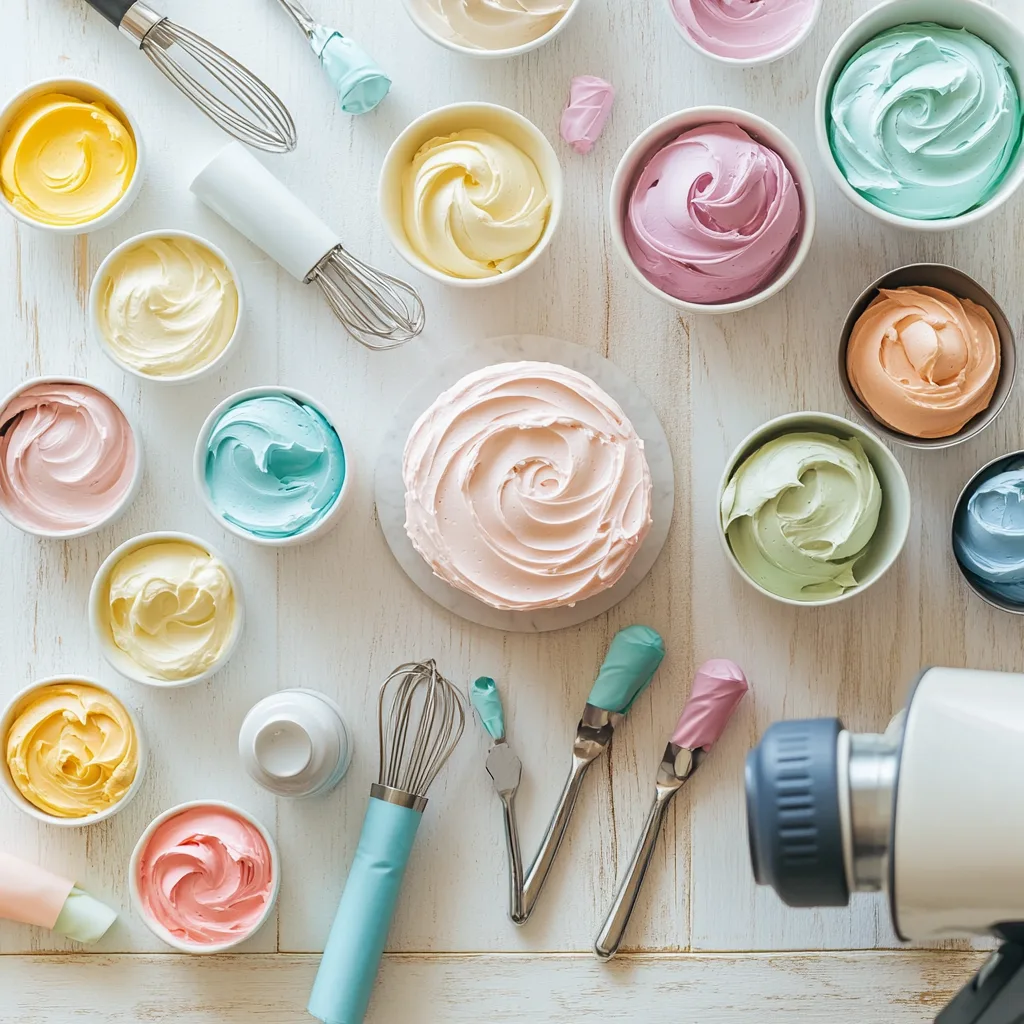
(166, 306)
(71, 156)
(471, 194)
(166, 609)
(73, 752)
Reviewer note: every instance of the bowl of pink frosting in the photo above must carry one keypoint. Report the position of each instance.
(205, 876)
(744, 32)
(712, 210)
(70, 459)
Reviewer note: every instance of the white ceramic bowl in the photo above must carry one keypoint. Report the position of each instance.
(745, 62)
(978, 18)
(445, 121)
(154, 926)
(893, 522)
(14, 794)
(129, 495)
(664, 131)
(318, 529)
(99, 602)
(95, 296)
(84, 89)
(432, 31)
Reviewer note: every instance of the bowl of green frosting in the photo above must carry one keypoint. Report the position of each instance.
(919, 113)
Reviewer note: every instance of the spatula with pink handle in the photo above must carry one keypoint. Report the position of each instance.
(718, 687)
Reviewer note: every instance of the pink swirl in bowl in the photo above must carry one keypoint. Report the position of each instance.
(752, 30)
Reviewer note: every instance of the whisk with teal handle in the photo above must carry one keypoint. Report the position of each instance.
(420, 720)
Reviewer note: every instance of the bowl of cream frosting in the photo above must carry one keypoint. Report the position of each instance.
(918, 112)
(73, 751)
(205, 876)
(471, 194)
(491, 28)
(712, 210)
(72, 158)
(166, 306)
(812, 509)
(166, 609)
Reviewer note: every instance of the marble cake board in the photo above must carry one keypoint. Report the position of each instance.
(390, 491)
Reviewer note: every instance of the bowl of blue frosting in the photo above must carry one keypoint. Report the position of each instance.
(270, 466)
(919, 113)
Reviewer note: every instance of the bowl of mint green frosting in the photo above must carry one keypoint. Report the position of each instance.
(919, 113)
(270, 466)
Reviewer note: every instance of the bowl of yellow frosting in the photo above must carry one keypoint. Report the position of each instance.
(471, 194)
(166, 306)
(166, 609)
(71, 156)
(73, 751)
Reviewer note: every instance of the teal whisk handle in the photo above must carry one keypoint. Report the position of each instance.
(344, 981)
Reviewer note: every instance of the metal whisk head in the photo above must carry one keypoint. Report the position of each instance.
(378, 310)
(421, 718)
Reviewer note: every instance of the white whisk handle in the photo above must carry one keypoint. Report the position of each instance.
(237, 186)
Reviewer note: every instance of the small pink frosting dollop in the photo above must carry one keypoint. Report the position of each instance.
(743, 29)
(713, 215)
(584, 117)
(67, 457)
(206, 876)
(718, 687)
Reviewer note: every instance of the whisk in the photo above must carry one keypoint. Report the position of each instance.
(421, 718)
(378, 310)
(269, 126)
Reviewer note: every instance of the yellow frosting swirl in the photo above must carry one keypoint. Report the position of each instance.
(171, 608)
(72, 749)
(474, 205)
(64, 160)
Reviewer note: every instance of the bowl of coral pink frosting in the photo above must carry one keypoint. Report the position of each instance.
(712, 210)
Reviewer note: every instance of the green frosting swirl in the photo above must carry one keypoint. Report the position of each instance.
(925, 121)
(800, 512)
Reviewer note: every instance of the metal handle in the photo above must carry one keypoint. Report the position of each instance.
(515, 860)
(113, 10)
(299, 15)
(608, 942)
(994, 995)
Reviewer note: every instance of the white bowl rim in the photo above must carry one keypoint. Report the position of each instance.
(93, 307)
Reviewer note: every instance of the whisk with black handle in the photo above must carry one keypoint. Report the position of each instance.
(259, 119)
(421, 718)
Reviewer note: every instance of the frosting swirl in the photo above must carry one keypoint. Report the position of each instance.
(67, 457)
(584, 117)
(64, 160)
(743, 29)
(713, 215)
(474, 205)
(72, 750)
(171, 608)
(492, 24)
(925, 121)
(923, 361)
(167, 306)
(800, 512)
(275, 467)
(206, 876)
(526, 486)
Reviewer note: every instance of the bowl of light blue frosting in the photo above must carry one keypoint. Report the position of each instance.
(271, 467)
(919, 113)
(988, 533)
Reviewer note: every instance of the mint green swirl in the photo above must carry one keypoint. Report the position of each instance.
(925, 121)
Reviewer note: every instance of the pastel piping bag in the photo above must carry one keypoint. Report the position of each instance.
(31, 895)
(718, 687)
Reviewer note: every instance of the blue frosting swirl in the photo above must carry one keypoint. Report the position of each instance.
(274, 466)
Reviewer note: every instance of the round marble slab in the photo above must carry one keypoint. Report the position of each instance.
(390, 491)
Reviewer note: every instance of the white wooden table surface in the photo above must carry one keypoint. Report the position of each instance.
(337, 615)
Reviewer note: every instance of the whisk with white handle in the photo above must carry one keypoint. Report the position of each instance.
(259, 118)
(380, 311)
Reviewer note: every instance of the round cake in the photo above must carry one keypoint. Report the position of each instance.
(527, 487)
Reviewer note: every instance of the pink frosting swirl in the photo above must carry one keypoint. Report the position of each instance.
(713, 215)
(206, 876)
(526, 486)
(584, 117)
(67, 457)
(743, 29)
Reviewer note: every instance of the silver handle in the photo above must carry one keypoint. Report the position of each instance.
(299, 15)
(515, 860)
